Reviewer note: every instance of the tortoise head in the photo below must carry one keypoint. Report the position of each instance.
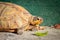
(36, 20)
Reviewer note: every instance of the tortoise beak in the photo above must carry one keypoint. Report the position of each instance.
(39, 21)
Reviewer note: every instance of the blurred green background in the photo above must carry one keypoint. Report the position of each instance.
(49, 10)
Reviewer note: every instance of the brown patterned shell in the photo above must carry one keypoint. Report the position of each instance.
(13, 16)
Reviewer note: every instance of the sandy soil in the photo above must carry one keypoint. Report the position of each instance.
(53, 34)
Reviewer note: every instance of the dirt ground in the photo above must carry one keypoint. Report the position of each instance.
(53, 34)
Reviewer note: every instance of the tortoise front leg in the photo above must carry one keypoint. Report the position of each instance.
(37, 27)
(19, 31)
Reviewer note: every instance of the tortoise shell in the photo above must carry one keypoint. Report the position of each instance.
(13, 16)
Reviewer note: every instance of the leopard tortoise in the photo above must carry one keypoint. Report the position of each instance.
(14, 18)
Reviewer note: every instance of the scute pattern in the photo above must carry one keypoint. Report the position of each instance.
(13, 16)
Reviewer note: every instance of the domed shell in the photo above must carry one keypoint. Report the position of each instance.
(13, 16)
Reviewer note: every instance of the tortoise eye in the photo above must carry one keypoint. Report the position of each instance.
(37, 18)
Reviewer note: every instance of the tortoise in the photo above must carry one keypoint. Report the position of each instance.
(14, 17)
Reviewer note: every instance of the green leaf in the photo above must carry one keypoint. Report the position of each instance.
(41, 34)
